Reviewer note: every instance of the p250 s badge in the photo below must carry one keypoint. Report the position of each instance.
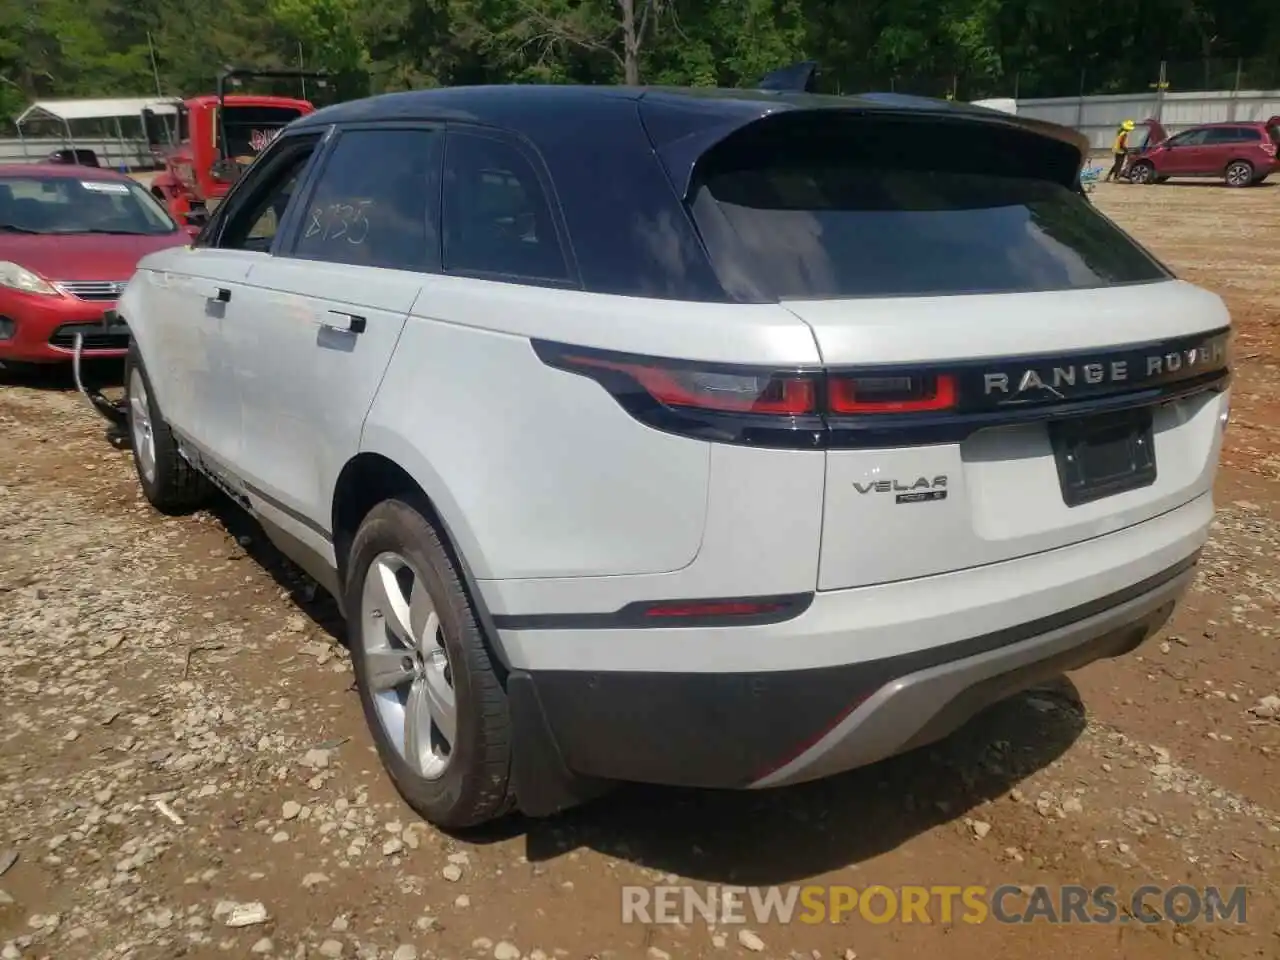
(920, 490)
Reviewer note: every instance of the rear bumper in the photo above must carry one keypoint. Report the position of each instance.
(917, 659)
(765, 729)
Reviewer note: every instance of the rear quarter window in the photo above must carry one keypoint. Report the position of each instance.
(867, 216)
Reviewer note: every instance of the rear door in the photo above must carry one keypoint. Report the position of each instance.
(973, 314)
(328, 308)
(1224, 144)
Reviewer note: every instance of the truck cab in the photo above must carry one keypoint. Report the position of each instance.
(217, 136)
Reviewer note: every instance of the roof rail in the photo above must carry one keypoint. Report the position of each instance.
(796, 78)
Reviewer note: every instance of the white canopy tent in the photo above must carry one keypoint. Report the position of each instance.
(109, 109)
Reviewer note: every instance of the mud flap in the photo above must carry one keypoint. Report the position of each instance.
(544, 785)
(114, 412)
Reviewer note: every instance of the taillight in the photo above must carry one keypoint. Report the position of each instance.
(815, 407)
(1269, 148)
(679, 385)
(891, 394)
(721, 403)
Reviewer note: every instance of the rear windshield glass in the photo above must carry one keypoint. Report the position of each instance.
(249, 129)
(815, 224)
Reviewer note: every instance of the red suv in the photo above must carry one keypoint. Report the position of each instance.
(1240, 153)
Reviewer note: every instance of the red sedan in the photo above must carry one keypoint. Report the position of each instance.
(70, 238)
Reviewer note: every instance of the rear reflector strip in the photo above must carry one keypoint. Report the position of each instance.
(716, 612)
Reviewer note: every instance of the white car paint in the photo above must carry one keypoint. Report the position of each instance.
(561, 503)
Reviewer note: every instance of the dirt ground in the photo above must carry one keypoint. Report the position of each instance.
(179, 735)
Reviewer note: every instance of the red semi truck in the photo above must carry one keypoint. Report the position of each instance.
(217, 136)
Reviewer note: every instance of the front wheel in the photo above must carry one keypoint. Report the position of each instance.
(168, 481)
(1239, 173)
(1143, 173)
(431, 696)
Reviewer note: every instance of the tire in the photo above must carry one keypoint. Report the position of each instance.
(1239, 173)
(398, 549)
(1142, 172)
(170, 484)
(16, 368)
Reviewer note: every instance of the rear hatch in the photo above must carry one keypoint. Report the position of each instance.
(1007, 371)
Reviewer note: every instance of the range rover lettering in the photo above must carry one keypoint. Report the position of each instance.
(706, 438)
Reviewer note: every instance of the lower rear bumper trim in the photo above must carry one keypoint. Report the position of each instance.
(770, 728)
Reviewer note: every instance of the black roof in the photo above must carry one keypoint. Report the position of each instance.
(497, 103)
(618, 161)
(680, 122)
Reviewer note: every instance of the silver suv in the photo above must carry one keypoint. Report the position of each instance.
(715, 438)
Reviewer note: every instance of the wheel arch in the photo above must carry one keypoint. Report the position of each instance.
(371, 477)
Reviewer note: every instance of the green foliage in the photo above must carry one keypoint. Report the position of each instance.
(72, 48)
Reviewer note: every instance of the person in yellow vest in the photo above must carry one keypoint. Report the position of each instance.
(1120, 151)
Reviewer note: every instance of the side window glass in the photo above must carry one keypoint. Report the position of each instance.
(376, 201)
(497, 220)
(261, 208)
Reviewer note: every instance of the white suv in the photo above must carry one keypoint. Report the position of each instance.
(714, 438)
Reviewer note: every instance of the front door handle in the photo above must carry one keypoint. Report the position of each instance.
(218, 294)
(343, 321)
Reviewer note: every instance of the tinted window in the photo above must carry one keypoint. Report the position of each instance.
(260, 204)
(805, 224)
(375, 202)
(1232, 135)
(65, 205)
(497, 220)
(1192, 138)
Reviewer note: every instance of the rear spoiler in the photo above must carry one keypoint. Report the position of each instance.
(681, 141)
(802, 77)
(798, 78)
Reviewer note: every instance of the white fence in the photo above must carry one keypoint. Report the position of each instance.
(111, 152)
(1098, 117)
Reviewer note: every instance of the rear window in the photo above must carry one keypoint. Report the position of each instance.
(881, 216)
(1217, 135)
(249, 129)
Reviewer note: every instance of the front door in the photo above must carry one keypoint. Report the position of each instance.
(216, 305)
(328, 307)
(1185, 154)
